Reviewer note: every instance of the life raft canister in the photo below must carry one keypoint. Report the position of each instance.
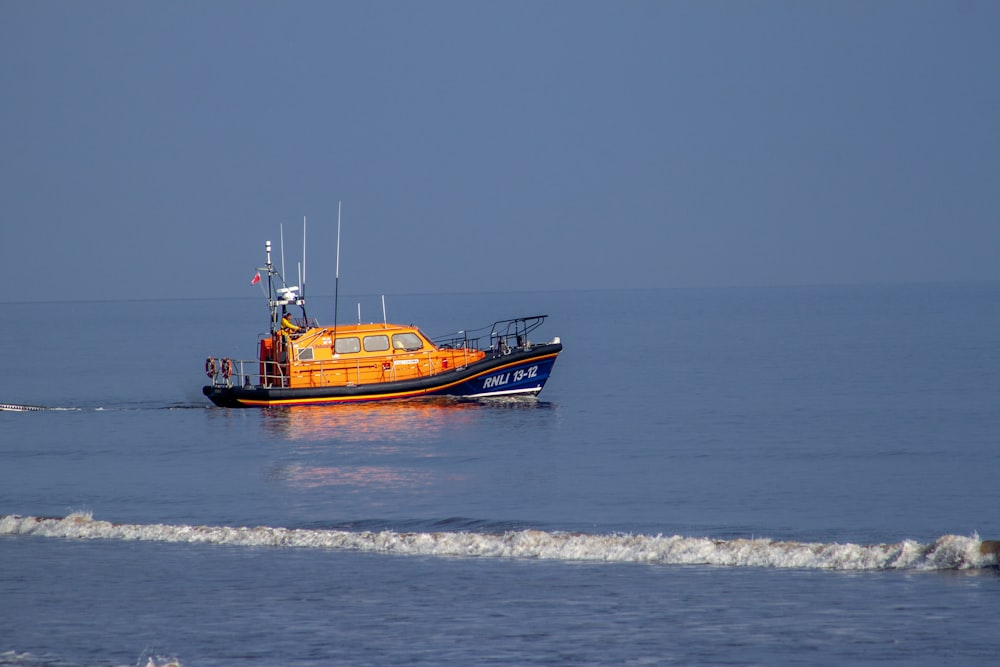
(210, 367)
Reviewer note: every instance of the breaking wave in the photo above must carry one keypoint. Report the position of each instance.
(949, 552)
(15, 659)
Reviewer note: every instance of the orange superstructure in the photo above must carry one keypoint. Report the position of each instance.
(356, 354)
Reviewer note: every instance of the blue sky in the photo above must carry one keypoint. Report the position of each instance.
(150, 148)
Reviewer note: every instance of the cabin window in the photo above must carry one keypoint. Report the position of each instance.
(406, 341)
(376, 343)
(306, 354)
(347, 345)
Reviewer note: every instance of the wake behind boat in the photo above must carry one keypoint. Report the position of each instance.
(300, 362)
(17, 407)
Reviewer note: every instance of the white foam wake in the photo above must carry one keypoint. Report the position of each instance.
(18, 407)
(945, 553)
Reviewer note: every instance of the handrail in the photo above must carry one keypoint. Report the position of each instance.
(246, 372)
(504, 336)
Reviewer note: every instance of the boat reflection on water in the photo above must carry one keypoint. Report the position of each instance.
(360, 446)
(378, 422)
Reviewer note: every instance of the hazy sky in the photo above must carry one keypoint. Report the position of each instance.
(150, 148)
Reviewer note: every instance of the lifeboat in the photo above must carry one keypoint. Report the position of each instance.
(300, 362)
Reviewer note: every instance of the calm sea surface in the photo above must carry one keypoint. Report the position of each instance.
(719, 476)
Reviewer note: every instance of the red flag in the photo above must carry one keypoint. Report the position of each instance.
(256, 279)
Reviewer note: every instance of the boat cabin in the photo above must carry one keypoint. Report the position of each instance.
(355, 354)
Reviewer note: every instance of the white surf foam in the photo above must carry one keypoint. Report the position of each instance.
(945, 553)
(16, 659)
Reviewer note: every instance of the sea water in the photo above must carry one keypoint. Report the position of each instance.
(711, 476)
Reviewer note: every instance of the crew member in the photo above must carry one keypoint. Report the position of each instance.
(287, 326)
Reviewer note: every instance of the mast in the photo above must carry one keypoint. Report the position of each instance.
(269, 269)
(303, 292)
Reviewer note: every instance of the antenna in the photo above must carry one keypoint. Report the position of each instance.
(281, 228)
(302, 278)
(359, 312)
(336, 284)
(384, 322)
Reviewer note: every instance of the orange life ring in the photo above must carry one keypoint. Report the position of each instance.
(210, 367)
(227, 368)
